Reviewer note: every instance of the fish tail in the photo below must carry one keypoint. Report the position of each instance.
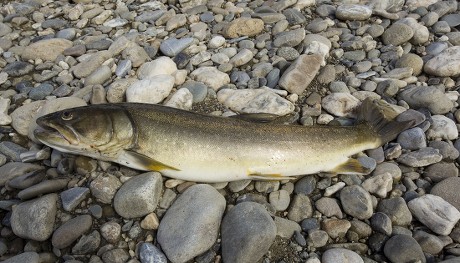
(381, 117)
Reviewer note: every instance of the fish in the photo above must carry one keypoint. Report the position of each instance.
(202, 148)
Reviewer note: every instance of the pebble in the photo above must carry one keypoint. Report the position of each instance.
(435, 213)
(110, 231)
(340, 104)
(30, 257)
(420, 158)
(44, 187)
(429, 243)
(442, 128)
(47, 49)
(13, 170)
(285, 228)
(380, 184)
(242, 57)
(87, 243)
(446, 64)
(191, 225)
(397, 210)
(353, 12)
(249, 225)
(300, 209)
(397, 34)
(255, 101)
(243, 26)
(139, 195)
(211, 77)
(446, 190)
(151, 90)
(90, 64)
(340, 255)
(329, 207)
(198, 90)
(104, 187)
(356, 202)
(18, 68)
(300, 73)
(149, 253)
(427, 97)
(26, 224)
(279, 200)
(70, 231)
(99, 76)
(290, 38)
(403, 248)
(412, 139)
(172, 46)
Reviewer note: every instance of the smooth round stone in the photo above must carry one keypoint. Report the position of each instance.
(452, 20)
(279, 199)
(18, 68)
(149, 253)
(329, 207)
(300, 209)
(353, 12)
(305, 186)
(87, 243)
(117, 255)
(29, 257)
(446, 64)
(99, 76)
(430, 243)
(340, 255)
(441, 27)
(440, 171)
(442, 128)
(447, 189)
(139, 195)
(249, 225)
(375, 30)
(216, 42)
(340, 104)
(289, 39)
(436, 47)
(356, 202)
(220, 58)
(403, 248)
(67, 33)
(172, 46)
(288, 53)
(151, 90)
(191, 225)
(5, 29)
(412, 139)
(110, 231)
(198, 90)
(397, 34)
(420, 158)
(396, 208)
(70, 231)
(412, 61)
(381, 223)
(44, 187)
(426, 97)
(26, 224)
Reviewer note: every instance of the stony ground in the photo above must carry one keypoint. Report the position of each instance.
(317, 59)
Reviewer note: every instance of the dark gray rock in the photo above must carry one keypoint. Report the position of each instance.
(247, 233)
(87, 244)
(396, 208)
(72, 197)
(448, 190)
(356, 202)
(29, 257)
(403, 249)
(381, 223)
(45, 187)
(70, 231)
(149, 253)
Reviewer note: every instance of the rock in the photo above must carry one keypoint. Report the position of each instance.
(397, 34)
(356, 202)
(429, 243)
(70, 231)
(110, 231)
(353, 12)
(159, 66)
(116, 90)
(210, 76)
(420, 158)
(447, 189)
(340, 104)
(255, 101)
(216, 41)
(279, 200)
(90, 64)
(403, 248)
(29, 257)
(47, 49)
(379, 184)
(286, 228)
(426, 97)
(290, 38)
(72, 197)
(300, 209)
(412, 139)
(181, 99)
(340, 255)
(87, 244)
(99, 76)
(435, 213)
(381, 223)
(151, 90)
(13, 170)
(139, 195)
(335, 228)
(117, 255)
(300, 73)
(328, 207)
(446, 64)
(243, 26)
(420, 32)
(34, 219)
(396, 208)
(18, 68)
(412, 61)
(172, 46)
(191, 225)
(149, 253)
(242, 57)
(198, 90)
(44, 187)
(22, 117)
(442, 128)
(247, 233)
(104, 187)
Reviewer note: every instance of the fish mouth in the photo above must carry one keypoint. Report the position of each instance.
(55, 134)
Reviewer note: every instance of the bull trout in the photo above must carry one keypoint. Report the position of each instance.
(202, 148)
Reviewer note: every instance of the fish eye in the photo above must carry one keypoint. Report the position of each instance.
(66, 115)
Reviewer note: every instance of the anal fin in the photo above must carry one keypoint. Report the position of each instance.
(269, 177)
(352, 166)
(140, 161)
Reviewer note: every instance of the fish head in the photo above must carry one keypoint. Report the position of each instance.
(93, 131)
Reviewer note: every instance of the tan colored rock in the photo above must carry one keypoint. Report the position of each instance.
(300, 74)
(243, 26)
(47, 49)
(446, 64)
(86, 67)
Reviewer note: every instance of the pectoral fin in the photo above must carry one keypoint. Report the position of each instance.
(146, 163)
(352, 166)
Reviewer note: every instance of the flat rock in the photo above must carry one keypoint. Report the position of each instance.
(301, 208)
(396, 208)
(243, 26)
(210, 76)
(353, 12)
(29, 257)
(426, 97)
(47, 49)
(446, 64)
(397, 34)
(435, 213)
(72, 197)
(44, 187)
(191, 225)
(447, 189)
(159, 66)
(15, 169)
(341, 255)
(356, 202)
(139, 195)
(90, 64)
(442, 128)
(255, 101)
(34, 219)
(151, 90)
(412, 61)
(403, 248)
(420, 158)
(379, 184)
(181, 99)
(149, 253)
(172, 46)
(300, 73)
(340, 104)
(71, 230)
(247, 233)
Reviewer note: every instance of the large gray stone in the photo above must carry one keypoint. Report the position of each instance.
(191, 225)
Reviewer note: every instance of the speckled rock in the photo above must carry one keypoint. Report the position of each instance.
(300, 74)
(446, 64)
(47, 49)
(211, 77)
(243, 26)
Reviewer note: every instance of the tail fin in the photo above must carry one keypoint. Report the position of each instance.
(380, 116)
